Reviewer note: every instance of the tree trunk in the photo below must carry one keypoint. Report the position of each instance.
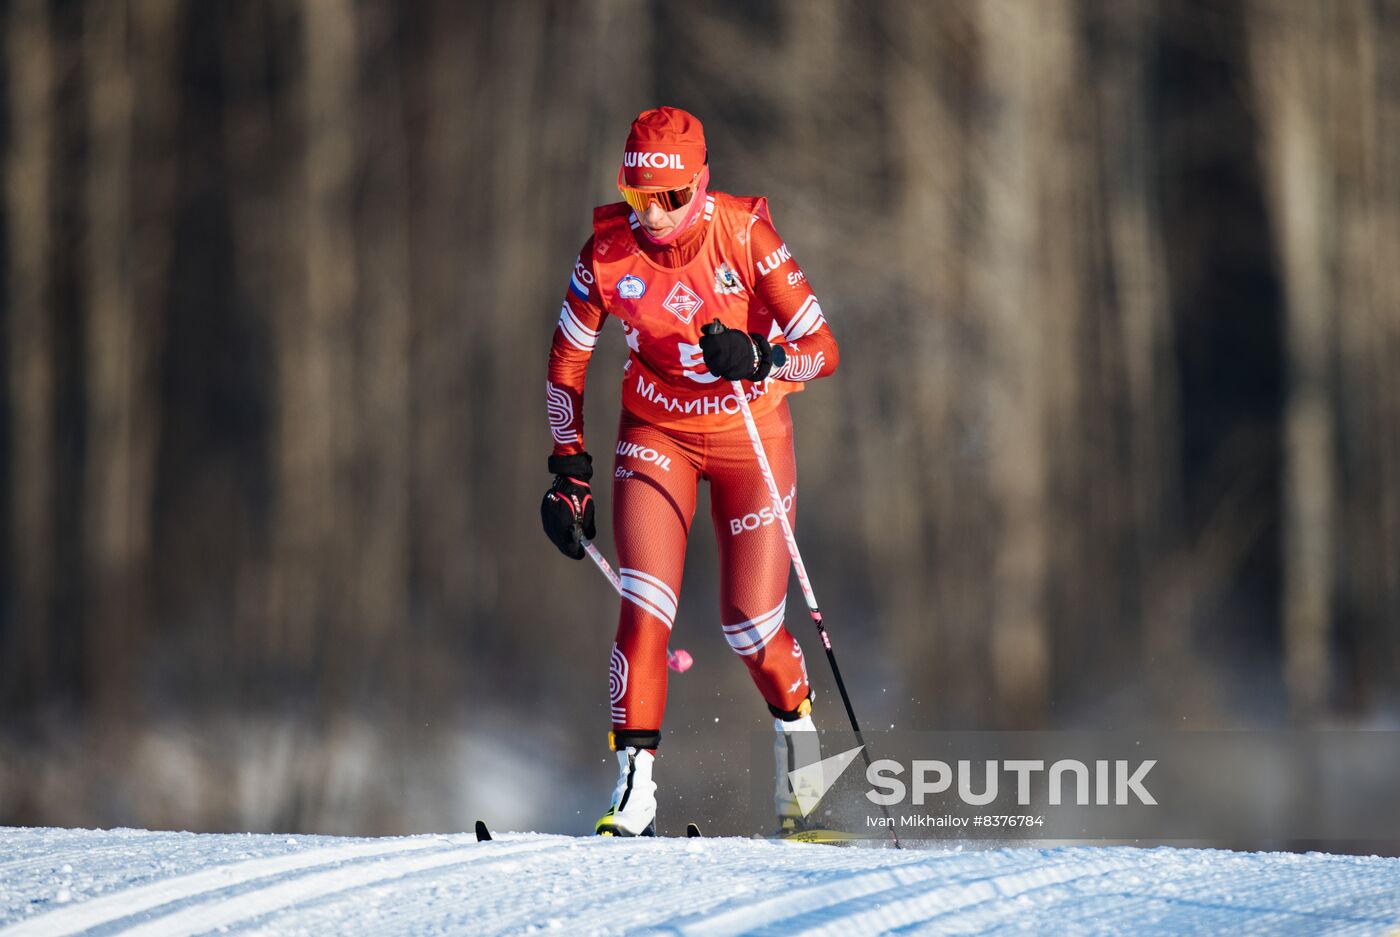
(30, 368)
(1289, 51)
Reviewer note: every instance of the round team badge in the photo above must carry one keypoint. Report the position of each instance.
(631, 287)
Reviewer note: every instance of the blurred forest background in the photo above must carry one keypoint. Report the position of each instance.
(1115, 440)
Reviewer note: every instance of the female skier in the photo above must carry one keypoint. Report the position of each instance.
(668, 260)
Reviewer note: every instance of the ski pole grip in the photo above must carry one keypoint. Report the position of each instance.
(714, 328)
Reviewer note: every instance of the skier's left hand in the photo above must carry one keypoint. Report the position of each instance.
(735, 356)
(567, 508)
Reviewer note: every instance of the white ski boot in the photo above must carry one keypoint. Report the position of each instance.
(633, 810)
(795, 745)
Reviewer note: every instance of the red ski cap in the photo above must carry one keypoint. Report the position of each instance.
(665, 149)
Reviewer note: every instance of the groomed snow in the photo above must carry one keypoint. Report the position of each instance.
(55, 882)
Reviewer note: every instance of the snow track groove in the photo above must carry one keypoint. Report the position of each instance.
(56, 859)
(114, 907)
(925, 901)
(214, 915)
(755, 915)
(162, 884)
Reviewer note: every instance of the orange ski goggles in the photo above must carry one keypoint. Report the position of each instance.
(668, 199)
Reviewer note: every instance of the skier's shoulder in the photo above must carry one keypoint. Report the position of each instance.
(746, 209)
(612, 228)
(583, 278)
(585, 253)
(609, 212)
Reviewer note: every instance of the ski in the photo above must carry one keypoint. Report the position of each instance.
(818, 836)
(692, 831)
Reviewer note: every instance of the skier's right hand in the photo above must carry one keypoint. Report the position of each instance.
(567, 509)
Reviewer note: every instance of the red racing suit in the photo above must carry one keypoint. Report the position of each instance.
(680, 424)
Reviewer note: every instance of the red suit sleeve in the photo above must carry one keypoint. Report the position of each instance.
(580, 320)
(782, 286)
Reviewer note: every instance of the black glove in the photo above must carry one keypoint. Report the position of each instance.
(734, 356)
(567, 508)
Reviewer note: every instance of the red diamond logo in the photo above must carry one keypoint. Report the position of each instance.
(683, 302)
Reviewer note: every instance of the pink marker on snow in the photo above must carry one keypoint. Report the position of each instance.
(679, 660)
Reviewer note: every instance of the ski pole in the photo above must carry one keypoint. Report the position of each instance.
(596, 556)
(798, 566)
(678, 660)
